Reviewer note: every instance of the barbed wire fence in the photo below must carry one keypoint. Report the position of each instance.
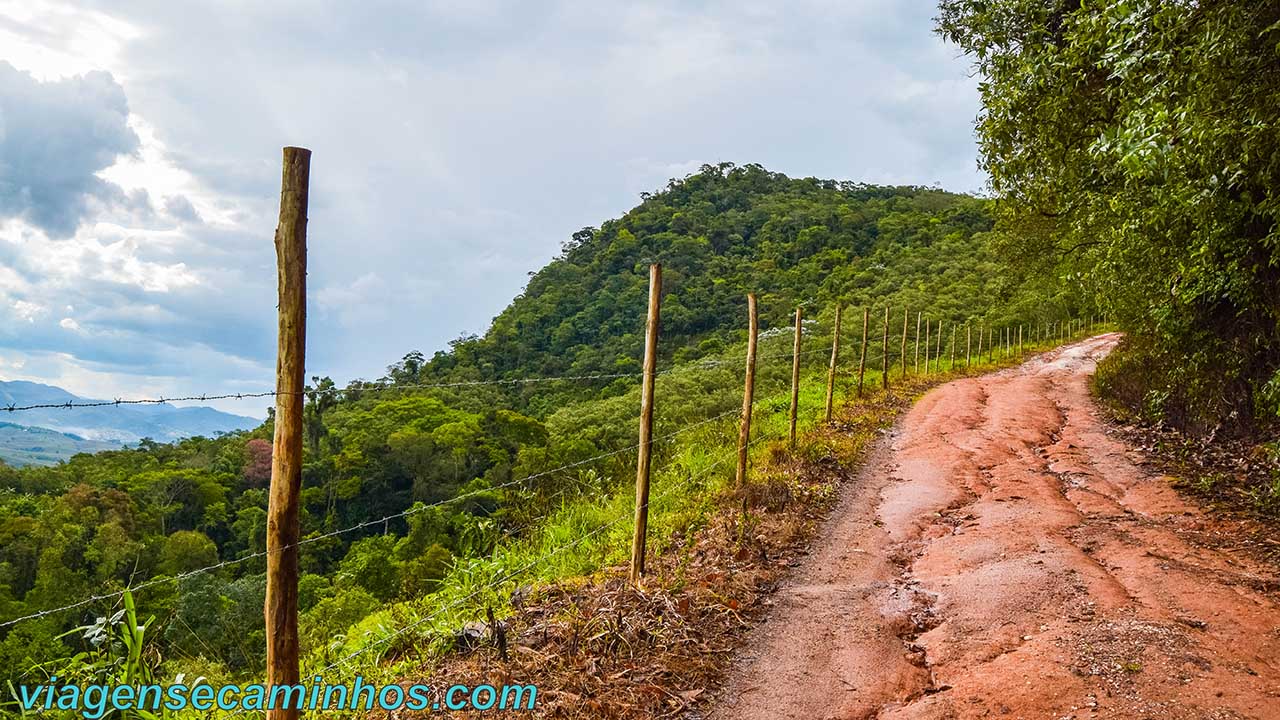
(283, 541)
(870, 362)
(414, 510)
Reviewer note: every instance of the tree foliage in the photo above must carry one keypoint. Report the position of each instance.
(1134, 145)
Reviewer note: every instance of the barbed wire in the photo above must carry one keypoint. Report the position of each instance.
(361, 390)
(377, 388)
(374, 388)
(514, 573)
(414, 510)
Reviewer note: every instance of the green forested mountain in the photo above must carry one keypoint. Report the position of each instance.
(719, 233)
(377, 448)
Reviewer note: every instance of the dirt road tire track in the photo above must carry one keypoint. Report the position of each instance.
(1003, 556)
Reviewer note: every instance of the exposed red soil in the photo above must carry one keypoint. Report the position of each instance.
(1003, 555)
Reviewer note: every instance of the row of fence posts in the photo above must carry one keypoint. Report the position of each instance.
(283, 530)
(1013, 345)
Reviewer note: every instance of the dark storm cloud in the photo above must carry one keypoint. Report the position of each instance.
(54, 137)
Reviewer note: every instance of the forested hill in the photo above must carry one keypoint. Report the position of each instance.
(102, 522)
(720, 233)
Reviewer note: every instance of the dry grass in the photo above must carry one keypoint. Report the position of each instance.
(598, 648)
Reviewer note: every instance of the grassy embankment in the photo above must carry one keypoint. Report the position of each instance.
(695, 514)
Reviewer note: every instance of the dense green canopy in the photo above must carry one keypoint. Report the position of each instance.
(1136, 145)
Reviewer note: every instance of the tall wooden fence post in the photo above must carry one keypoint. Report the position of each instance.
(831, 369)
(795, 377)
(646, 423)
(862, 358)
(748, 391)
(926, 347)
(919, 315)
(938, 351)
(902, 353)
(884, 361)
(991, 343)
(968, 343)
(281, 606)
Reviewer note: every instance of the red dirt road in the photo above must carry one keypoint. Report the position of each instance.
(1003, 556)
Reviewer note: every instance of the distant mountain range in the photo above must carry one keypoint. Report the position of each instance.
(21, 445)
(48, 435)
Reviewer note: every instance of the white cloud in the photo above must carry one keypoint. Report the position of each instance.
(28, 311)
(456, 144)
(105, 252)
(55, 40)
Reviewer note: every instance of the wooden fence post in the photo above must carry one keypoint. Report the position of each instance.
(884, 361)
(919, 315)
(281, 606)
(831, 369)
(991, 343)
(748, 391)
(937, 364)
(795, 378)
(981, 332)
(902, 353)
(862, 359)
(646, 423)
(1019, 341)
(926, 347)
(968, 343)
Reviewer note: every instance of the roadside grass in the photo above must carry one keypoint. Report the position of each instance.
(706, 539)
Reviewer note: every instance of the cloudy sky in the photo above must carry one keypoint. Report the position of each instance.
(456, 144)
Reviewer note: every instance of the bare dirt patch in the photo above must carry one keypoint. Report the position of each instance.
(1006, 555)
